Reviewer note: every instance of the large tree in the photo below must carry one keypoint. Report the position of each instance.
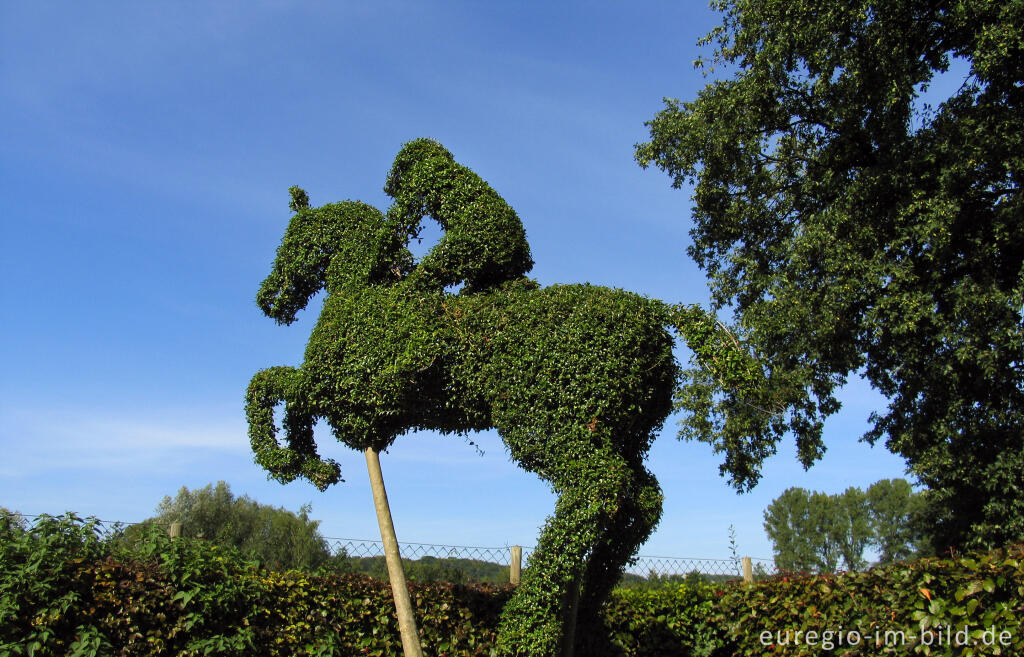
(854, 229)
(851, 527)
(898, 519)
(792, 522)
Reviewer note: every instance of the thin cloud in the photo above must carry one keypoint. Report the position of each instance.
(46, 439)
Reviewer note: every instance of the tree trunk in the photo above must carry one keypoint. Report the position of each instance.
(403, 606)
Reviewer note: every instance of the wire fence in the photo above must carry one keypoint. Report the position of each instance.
(363, 548)
(641, 567)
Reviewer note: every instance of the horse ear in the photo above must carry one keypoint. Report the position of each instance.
(300, 199)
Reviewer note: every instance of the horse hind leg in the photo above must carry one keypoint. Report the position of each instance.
(593, 486)
(638, 514)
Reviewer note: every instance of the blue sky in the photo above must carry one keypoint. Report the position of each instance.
(148, 150)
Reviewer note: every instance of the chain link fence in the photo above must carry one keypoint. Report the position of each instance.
(648, 568)
(463, 563)
(362, 549)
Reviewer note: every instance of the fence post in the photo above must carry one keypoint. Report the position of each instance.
(515, 567)
(174, 531)
(748, 570)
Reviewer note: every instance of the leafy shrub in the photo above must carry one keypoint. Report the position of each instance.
(66, 589)
(39, 587)
(905, 608)
(668, 621)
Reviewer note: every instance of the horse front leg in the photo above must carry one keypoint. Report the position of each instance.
(267, 389)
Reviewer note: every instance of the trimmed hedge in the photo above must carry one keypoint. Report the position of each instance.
(65, 590)
(971, 605)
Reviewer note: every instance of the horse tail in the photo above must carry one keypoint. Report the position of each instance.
(267, 389)
(716, 349)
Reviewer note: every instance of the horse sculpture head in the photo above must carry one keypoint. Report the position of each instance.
(336, 246)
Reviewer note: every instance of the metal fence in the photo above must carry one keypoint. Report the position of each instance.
(642, 566)
(647, 567)
(361, 548)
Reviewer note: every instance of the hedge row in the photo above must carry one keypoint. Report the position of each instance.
(970, 605)
(66, 591)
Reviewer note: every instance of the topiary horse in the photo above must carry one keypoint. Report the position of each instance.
(575, 378)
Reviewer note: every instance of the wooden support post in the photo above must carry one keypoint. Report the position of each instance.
(399, 589)
(515, 567)
(748, 571)
(174, 531)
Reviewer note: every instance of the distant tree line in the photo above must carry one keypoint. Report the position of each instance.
(433, 569)
(816, 532)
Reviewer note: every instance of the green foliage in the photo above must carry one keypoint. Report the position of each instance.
(854, 229)
(798, 523)
(11, 524)
(851, 526)
(656, 581)
(65, 591)
(812, 531)
(484, 244)
(899, 520)
(278, 538)
(673, 620)
(898, 609)
(39, 590)
(577, 379)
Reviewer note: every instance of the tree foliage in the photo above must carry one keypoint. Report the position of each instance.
(813, 531)
(855, 229)
(278, 538)
(899, 520)
(799, 524)
(11, 522)
(851, 526)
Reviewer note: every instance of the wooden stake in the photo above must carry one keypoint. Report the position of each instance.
(515, 567)
(748, 570)
(403, 605)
